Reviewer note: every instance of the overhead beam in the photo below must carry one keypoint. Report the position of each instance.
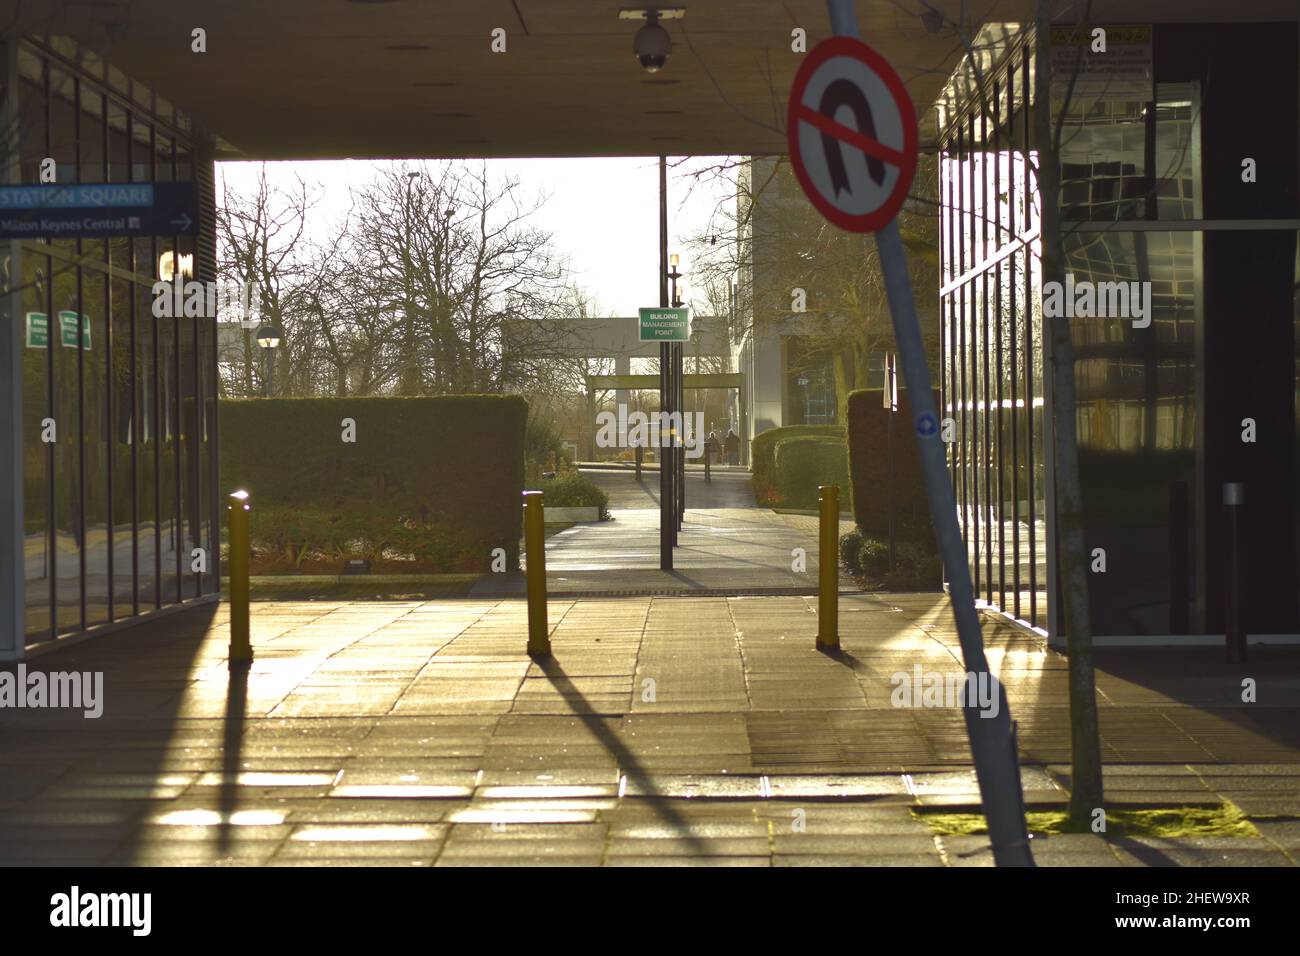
(650, 383)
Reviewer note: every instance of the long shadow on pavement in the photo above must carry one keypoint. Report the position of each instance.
(231, 751)
(626, 760)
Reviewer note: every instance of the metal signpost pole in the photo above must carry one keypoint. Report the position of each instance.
(662, 453)
(992, 739)
(681, 444)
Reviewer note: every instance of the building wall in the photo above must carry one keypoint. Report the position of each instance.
(1152, 193)
(113, 508)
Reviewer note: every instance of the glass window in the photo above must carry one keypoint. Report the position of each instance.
(38, 550)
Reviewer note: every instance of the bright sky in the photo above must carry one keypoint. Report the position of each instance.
(603, 213)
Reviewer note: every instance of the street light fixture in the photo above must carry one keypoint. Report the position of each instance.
(268, 337)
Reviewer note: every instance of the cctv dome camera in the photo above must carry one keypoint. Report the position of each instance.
(652, 44)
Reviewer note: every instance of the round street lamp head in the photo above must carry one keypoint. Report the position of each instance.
(268, 336)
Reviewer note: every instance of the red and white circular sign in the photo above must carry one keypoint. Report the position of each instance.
(852, 131)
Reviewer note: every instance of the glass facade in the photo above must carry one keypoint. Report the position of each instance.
(1202, 342)
(119, 408)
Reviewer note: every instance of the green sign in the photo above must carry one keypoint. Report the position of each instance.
(68, 327)
(665, 325)
(38, 331)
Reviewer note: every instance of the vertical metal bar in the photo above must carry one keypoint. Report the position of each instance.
(663, 452)
(110, 378)
(81, 370)
(1011, 342)
(13, 576)
(178, 421)
(52, 463)
(197, 443)
(959, 364)
(992, 740)
(1234, 497)
(1179, 522)
(539, 638)
(1029, 354)
(1001, 497)
(155, 404)
(828, 578)
(680, 450)
(975, 504)
(135, 388)
(210, 403)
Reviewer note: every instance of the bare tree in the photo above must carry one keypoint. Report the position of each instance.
(790, 270)
(451, 255)
(259, 241)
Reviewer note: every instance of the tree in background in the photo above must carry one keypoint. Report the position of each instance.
(791, 272)
(436, 282)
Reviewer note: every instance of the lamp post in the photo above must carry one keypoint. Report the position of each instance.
(268, 337)
(679, 397)
(673, 276)
(667, 507)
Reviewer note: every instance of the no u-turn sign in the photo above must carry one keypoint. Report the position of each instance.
(852, 132)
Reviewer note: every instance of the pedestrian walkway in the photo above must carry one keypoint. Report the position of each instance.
(664, 730)
(727, 545)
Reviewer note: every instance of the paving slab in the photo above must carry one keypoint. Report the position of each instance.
(677, 730)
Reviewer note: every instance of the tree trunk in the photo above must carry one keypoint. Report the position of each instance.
(842, 385)
(1086, 790)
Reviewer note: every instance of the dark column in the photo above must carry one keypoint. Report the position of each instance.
(664, 454)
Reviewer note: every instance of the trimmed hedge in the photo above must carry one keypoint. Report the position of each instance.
(804, 464)
(762, 449)
(574, 491)
(437, 478)
(869, 466)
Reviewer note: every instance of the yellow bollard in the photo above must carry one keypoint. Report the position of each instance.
(828, 556)
(539, 638)
(241, 648)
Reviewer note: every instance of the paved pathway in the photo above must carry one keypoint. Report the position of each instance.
(666, 730)
(727, 545)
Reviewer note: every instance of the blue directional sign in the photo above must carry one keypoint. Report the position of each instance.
(94, 210)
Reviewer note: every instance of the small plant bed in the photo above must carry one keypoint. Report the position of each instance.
(1224, 819)
(572, 490)
(865, 558)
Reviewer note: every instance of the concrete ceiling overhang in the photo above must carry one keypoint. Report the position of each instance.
(320, 79)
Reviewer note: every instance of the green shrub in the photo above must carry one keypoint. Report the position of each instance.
(438, 479)
(804, 464)
(869, 465)
(762, 450)
(873, 557)
(916, 561)
(574, 491)
(850, 546)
